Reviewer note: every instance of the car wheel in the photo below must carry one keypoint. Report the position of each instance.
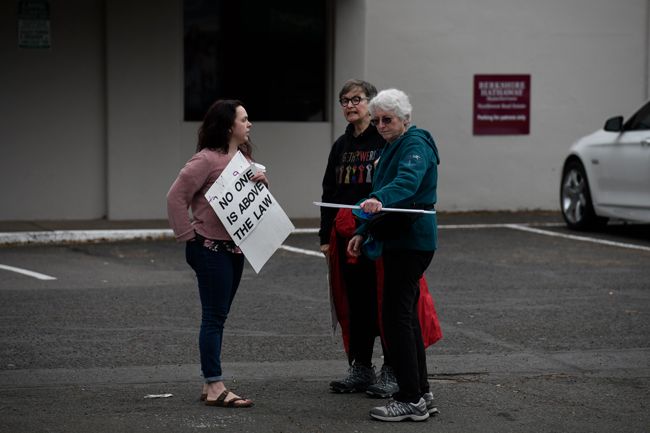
(575, 199)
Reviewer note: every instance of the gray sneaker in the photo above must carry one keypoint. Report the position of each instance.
(431, 405)
(358, 379)
(399, 411)
(386, 385)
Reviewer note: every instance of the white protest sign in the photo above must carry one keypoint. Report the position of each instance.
(249, 212)
(235, 167)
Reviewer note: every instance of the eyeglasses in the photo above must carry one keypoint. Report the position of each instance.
(356, 100)
(385, 120)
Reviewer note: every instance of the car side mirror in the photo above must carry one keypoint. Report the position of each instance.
(614, 124)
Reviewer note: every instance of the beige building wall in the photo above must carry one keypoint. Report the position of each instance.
(53, 116)
(148, 141)
(93, 126)
(587, 60)
(144, 105)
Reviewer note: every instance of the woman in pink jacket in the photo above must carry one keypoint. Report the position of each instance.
(210, 251)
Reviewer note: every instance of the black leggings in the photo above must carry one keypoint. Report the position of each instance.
(360, 281)
(402, 272)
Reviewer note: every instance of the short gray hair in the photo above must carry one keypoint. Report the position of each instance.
(368, 89)
(394, 101)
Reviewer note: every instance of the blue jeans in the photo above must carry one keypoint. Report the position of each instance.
(218, 274)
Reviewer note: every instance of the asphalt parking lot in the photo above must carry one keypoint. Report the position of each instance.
(545, 330)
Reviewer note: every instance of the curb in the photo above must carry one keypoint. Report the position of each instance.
(79, 236)
(72, 236)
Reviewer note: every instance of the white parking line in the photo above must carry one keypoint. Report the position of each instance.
(453, 226)
(519, 226)
(302, 251)
(27, 272)
(304, 231)
(577, 238)
(495, 226)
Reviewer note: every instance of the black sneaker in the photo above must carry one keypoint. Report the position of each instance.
(358, 379)
(431, 405)
(386, 385)
(399, 411)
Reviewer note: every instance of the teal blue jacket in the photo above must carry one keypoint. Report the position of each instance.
(407, 175)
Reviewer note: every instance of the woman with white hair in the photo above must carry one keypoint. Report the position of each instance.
(406, 176)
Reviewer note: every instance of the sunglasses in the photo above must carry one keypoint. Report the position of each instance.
(378, 120)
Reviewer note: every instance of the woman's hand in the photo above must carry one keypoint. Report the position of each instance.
(371, 205)
(260, 177)
(325, 249)
(354, 246)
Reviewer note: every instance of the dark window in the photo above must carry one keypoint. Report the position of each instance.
(640, 120)
(271, 55)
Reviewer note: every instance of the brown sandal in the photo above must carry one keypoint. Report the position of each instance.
(236, 402)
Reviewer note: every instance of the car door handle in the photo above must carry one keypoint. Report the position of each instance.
(645, 142)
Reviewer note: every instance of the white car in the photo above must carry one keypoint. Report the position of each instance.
(607, 174)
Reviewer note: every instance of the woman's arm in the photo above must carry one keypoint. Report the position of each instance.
(414, 162)
(179, 198)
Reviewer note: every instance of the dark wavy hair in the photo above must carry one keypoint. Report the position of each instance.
(214, 132)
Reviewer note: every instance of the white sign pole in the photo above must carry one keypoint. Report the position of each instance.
(383, 209)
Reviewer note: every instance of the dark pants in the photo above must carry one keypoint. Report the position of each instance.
(402, 272)
(218, 274)
(360, 280)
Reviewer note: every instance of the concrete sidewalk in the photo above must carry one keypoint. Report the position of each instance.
(71, 231)
(62, 231)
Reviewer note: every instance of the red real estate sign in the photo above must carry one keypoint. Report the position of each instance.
(501, 104)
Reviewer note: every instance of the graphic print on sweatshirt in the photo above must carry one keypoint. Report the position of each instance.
(356, 167)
